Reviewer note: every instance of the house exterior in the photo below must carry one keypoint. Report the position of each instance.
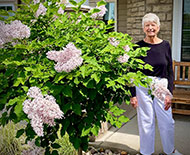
(174, 16)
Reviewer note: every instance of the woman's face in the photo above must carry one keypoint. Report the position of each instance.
(151, 29)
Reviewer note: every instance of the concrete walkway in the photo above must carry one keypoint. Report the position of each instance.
(127, 139)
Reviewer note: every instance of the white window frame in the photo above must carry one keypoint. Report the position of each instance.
(8, 4)
(177, 29)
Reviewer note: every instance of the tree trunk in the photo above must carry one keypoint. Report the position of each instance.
(79, 151)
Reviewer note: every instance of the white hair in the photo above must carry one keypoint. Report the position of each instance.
(151, 17)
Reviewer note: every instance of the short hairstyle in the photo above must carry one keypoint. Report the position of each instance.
(151, 17)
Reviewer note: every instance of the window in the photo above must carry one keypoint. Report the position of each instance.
(185, 48)
(7, 7)
(111, 12)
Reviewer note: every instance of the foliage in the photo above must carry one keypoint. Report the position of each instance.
(9, 144)
(88, 94)
(66, 146)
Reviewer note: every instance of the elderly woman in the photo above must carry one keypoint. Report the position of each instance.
(159, 56)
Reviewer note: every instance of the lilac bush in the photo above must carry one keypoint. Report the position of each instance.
(65, 72)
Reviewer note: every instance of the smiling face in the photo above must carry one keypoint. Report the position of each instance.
(151, 29)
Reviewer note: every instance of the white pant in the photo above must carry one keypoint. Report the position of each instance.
(146, 111)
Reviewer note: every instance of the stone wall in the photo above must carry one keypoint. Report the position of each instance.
(122, 16)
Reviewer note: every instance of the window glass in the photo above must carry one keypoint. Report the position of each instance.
(110, 13)
(185, 52)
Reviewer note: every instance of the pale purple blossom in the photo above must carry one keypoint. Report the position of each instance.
(41, 10)
(20, 30)
(101, 13)
(67, 59)
(14, 30)
(123, 59)
(41, 109)
(71, 64)
(34, 92)
(126, 48)
(36, 1)
(60, 11)
(113, 41)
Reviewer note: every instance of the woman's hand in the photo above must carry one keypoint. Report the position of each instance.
(168, 102)
(134, 102)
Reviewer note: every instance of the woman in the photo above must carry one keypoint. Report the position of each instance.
(159, 56)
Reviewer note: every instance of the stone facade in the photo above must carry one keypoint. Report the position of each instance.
(130, 13)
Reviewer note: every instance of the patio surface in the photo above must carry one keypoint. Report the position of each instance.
(127, 139)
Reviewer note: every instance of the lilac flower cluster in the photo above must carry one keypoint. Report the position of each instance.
(14, 30)
(123, 58)
(126, 48)
(41, 10)
(36, 1)
(41, 109)
(60, 11)
(113, 41)
(160, 91)
(67, 59)
(102, 12)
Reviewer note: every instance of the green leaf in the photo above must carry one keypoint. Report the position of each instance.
(110, 84)
(76, 143)
(37, 141)
(66, 124)
(102, 2)
(67, 107)
(13, 101)
(73, 2)
(83, 71)
(92, 94)
(149, 67)
(96, 77)
(76, 81)
(85, 132)
(55, 152)
(76, 108)
(19, 133)
(47, 151)
(18, 109)
(25, 88)
(59, 77)
(123, 119)
(118, 124)
(67, 91)
(140, 61)
(111, 21)
(3, 12)
(56, 146)
(82, 2)
(95, 130)
(91, 84)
